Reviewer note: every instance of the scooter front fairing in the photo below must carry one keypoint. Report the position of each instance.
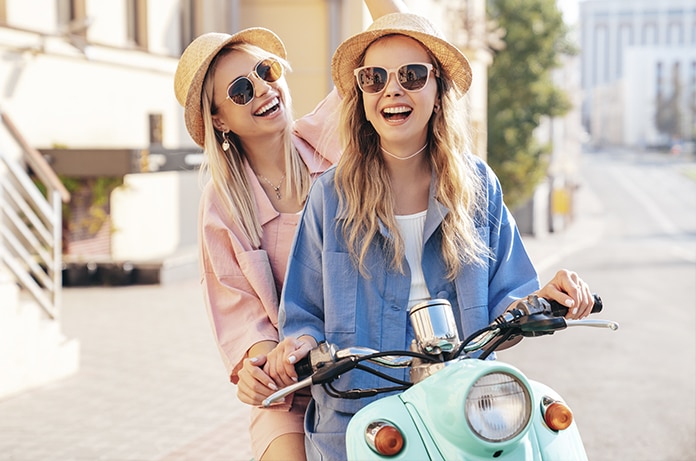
(470, 410)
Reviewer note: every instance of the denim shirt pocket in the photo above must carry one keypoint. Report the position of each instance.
(340, 288)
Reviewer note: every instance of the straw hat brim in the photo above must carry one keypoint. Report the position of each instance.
(349, 54)
(195, 61)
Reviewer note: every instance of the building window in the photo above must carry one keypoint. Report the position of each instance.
(658, 83)
(137, 22)
(601, 53)
(693, 97)
(675, 36)
(72, 17)
(625, 40)
(649, 34)
(191, 15)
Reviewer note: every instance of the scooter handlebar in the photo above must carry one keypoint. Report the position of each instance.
(303, 367)
(559, 310)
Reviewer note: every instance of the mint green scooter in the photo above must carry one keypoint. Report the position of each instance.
(457, 405)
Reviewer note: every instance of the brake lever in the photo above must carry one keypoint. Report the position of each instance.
(280, 394)
(541, 324)
(596, 323)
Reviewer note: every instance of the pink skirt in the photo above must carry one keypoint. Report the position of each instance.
(267, 424)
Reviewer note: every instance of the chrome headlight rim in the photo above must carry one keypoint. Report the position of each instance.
(496, 394)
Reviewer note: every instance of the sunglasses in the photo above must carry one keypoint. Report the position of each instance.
(411, 77)
(241, 90)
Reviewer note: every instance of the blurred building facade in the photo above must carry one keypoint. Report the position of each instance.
(639, 71)
(88, 76)
(88, 86)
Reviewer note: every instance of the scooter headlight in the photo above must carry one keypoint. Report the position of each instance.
(498, 407)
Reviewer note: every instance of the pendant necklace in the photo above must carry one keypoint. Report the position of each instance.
(275, 188)
(404, 158)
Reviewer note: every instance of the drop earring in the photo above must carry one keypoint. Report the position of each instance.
(225, 142)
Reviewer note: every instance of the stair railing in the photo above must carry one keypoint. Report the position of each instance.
(31, 223)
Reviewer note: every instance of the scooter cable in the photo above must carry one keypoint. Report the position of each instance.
(473, 336)
(382, 375)
(418, 355)
(489, 349)
(354, 394)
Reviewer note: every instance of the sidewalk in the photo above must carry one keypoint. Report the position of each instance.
(151, 386)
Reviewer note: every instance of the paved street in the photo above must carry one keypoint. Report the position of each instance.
(151, 386)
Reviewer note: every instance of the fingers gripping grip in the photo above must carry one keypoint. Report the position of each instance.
(559, 310)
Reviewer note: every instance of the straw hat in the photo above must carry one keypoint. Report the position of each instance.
(193, 66)
(349, 53)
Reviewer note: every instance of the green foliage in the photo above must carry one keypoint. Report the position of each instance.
(521, 91)
(92, 193)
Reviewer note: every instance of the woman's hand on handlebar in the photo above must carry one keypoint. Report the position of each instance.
(282, 359)
(254, 384)
(569, 289)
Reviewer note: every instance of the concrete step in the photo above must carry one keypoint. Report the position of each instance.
(33, 350)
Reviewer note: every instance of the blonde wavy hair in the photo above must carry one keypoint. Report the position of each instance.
(226, 169)
(365, 197)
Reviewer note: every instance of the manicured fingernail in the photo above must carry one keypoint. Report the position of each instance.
(273, 386)
(254, 359)
(292, 359)
(569, 302)
(575, 311)
(294, 378)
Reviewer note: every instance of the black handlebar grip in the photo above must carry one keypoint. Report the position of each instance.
(598, 305)
(559, 310)
(304, 367)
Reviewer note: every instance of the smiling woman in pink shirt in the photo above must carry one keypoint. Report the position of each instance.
(259, 165)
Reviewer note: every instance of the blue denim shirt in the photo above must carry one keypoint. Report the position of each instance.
(326, 297)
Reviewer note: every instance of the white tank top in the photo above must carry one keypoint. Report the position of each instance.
(411, 228)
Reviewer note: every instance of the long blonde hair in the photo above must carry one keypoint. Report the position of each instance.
(227, 168)
(365, 197)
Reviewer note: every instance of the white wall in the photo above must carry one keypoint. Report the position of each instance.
(80, 103)
(99, 96)
(154, 215)
(108, 22)
(640, 107)
(25, 14)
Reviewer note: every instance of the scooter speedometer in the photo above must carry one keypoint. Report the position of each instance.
(498, 407)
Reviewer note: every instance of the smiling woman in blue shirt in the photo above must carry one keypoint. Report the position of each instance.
(408, 213)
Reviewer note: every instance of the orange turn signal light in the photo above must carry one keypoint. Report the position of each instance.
(558, 416)
(384, 438)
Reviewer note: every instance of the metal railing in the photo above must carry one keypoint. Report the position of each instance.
(31, 223)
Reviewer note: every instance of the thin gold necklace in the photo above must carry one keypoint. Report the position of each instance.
(404, 158)
(275, 188)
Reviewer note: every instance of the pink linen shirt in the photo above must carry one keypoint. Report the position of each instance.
(242, 284)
